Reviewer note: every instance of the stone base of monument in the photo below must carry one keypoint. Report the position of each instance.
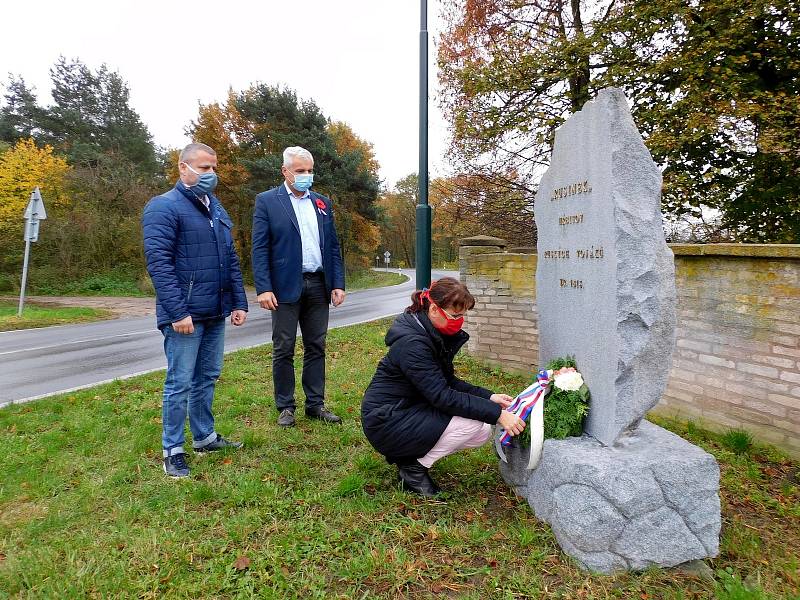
(651, 499)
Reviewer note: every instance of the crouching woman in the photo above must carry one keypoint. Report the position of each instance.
(415, 410)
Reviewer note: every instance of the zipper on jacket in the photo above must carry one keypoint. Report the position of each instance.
(191, 285)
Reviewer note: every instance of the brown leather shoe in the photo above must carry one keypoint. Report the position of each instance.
(286, 418)
(323, 414)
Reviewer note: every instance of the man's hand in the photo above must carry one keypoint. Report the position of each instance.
(337, 297)
(504, 400)
(184, 326)
(267, 300)
(238, 317)
(511, 423)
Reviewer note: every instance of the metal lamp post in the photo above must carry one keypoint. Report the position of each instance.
(423, 250)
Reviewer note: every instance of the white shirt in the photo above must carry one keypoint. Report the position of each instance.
(306, 214)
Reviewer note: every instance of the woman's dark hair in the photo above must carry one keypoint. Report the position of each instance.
(444, 292)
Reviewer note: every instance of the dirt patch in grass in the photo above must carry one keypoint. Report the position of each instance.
(15, 514)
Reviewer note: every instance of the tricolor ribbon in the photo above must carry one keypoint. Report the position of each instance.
(529, 405)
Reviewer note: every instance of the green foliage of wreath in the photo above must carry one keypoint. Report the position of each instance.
(564, 411)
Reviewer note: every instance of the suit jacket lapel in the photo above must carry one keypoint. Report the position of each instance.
(320, 228)
(286, 202)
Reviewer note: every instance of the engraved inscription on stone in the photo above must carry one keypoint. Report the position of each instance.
(590, 252)
(582, 187)
(571, 219)
(560, 253)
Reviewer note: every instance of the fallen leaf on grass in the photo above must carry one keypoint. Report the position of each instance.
(241, 563)
(226, 461)
(2, 557)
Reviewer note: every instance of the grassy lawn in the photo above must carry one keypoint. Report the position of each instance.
(362, 280)
(43, 316)
(314, 512)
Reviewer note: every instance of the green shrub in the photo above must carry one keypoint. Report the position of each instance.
(122, 281)
(729, 586)
(738, 441)
(8, 283)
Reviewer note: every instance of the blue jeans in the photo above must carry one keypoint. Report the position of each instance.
(194, 362)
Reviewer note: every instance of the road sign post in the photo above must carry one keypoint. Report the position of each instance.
(386, 256)
(34, 213)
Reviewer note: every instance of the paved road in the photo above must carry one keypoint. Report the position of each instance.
(41, 362)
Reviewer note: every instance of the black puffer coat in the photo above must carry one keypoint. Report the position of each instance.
(414, 391)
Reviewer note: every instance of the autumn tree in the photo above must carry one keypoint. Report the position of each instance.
(467, 205)
(22, 168)
(250, 132)
(358, 170)
(221, 126)
(717, 99)
(713, 86)
(398, 227)
(114, 170)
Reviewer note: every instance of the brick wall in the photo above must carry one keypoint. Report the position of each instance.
(737, 357)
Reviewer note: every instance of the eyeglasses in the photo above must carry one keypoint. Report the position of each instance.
(452, 317)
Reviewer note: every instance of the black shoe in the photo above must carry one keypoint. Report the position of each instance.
(286, 418)
(218, 444)
(175, 466)
(415, 478)
(323, 414)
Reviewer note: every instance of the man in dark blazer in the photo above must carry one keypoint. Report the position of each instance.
(298, 272)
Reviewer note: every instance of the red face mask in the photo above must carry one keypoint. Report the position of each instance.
(451, 326)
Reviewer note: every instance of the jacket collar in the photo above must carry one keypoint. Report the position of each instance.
(286, 201)
(192, 197)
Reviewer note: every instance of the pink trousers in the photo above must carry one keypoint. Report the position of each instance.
(460, 433)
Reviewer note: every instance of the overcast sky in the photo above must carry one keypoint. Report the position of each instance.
(358, 59)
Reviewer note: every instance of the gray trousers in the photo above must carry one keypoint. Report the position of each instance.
(311, 313)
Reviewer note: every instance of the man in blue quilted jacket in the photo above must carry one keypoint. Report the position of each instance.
(195, 271)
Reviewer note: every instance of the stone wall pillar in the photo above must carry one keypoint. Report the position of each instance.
(502, 326)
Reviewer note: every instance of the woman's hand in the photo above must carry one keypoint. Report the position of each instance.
(511, 423)
(504, 400)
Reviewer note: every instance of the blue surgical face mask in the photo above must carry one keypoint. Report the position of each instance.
(206, 182)
(302, 181)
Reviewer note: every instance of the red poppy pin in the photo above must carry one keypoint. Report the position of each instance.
(321, 207)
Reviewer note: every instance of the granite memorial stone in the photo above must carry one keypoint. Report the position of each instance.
(627, 494)
(605, 279)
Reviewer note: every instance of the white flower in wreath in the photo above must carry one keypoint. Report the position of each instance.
(571, 381)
